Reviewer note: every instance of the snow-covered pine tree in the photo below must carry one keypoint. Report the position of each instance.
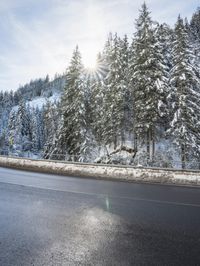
(97, 110)
(131, 84)
(37, 128)
(51, 121)
(185, 126)
(126, 93)
(194, 33)
(149, 82)
(164, 37)
(195, 24)
(98, 92)
(34, 130)
(40, 127)
(106, 55)
(23, 127)
(49, 127)
(112, 81)
(115, 94)
(72, 135)
(12, 130)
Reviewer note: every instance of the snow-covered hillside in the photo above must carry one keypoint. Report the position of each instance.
(40, 102)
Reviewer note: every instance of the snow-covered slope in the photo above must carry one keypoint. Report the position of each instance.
(39, 102)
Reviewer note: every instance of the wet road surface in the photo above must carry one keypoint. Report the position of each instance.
(55, 220)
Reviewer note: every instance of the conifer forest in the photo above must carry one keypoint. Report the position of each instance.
(140, 105)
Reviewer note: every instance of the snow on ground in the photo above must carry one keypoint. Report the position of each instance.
(105, 171)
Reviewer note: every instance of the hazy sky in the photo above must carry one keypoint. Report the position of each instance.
(37, 37)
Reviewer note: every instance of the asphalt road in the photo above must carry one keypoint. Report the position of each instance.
(55, 220)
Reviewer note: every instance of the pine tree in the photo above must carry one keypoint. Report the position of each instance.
(149, 82)
(185, 129)
(97, 110)
(37, 131)
(111, 126)
(12, 130)
(40, 121)
(164, 37)
(194, 33)
(116, 87)
(34, 131)
(127, 108)
(51, 120)
(195, 25)
(23, 127)
(72, 135)
(107, 51)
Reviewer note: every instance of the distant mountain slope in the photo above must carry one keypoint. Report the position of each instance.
(42, 88)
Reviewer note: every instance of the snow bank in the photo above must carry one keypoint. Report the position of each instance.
(109, 172)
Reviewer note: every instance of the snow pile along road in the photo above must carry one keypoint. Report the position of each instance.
(109, 172)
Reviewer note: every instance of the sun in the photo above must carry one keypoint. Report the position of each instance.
(94, 65)
(90, 60)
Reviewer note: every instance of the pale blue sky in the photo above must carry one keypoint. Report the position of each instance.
(37, 37)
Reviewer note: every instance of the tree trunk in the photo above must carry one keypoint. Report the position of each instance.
(148, 144)
(135, 142)
(122, 137)
(199, 162)
(115, 142)
(153, 144)
(183, 159)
